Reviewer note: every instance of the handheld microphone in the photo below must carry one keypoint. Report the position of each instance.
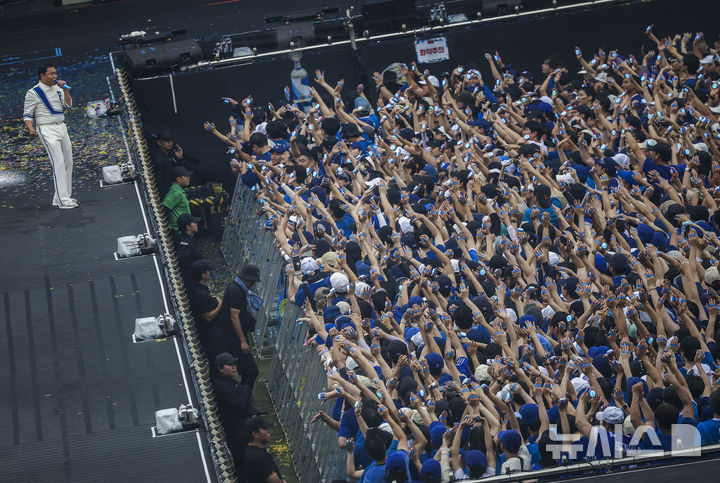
(64, 86)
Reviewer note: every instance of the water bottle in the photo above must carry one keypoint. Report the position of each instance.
(300, 84)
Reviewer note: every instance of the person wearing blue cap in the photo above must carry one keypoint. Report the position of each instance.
(517, 457)
(431, 471)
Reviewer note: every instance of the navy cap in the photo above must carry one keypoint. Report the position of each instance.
(435, 362)
(430, 469)
(511, 440)
(474, 458)
(225, 359)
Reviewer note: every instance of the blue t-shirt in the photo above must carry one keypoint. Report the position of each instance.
(346, 225)
(553, 216)
(664, 171)
(249, 179)
(349, 429)
(375, 473)
(709, 431)
(300, 295)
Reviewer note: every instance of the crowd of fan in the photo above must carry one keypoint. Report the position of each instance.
(487, 266)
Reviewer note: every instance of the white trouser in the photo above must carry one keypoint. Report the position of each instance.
(57, 143)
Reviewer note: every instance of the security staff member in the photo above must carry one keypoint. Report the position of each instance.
(45, 105)
(235, 405)
(238, 321)
(205, 308)
(186, 249)
(165, 158)
(175, 200)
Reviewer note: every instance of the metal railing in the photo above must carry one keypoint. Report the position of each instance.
(296, 374)
(245, 241)
(199, 368)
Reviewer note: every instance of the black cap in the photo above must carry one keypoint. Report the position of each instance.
(225, 359)
(166, 135)
(255, 423)
(662, 149)
(185, 219)
(181, 171)
(329, 142)
(350, 131)
(344, 176)
(250, 272)
(199, 267)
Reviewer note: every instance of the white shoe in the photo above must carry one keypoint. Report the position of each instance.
(68, 206)
(55, 203)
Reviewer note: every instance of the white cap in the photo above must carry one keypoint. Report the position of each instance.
(405, 225)
(579, 384)
(387, 428)
(611, 415)
(375, 182)
(361, 288)
(481, 373)
(701, 147)
(622, 159)
(548, 312)
(546, 99)
(308, 265)
(417, 339)
(343, 307)
(434, 81)
(339, 281)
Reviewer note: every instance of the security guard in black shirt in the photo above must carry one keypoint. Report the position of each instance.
(166, 156)
(235, 403)
(238, 322)
(205, 308)
(186, 249)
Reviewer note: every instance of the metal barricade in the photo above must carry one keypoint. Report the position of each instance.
(296, 373)
(296, 378)
(245, 241)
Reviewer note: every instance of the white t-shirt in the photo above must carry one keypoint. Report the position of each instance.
(515, 465)
(461, 475)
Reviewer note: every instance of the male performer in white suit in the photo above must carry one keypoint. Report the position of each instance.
(45, 104)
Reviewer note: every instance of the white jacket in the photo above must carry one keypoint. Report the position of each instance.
(36, 110)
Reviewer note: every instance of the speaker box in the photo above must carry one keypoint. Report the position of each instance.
(389, 16)
(162, 57)
(500, 7)
(302, 33)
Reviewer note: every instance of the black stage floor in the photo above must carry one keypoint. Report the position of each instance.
(78, 397)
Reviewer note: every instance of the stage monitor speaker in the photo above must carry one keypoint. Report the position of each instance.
(161, 57)
(500, 7)
(389, 16)
(302, 33)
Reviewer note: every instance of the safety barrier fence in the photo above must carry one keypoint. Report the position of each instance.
(199, 368)
(296, 374)
(245, 241)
